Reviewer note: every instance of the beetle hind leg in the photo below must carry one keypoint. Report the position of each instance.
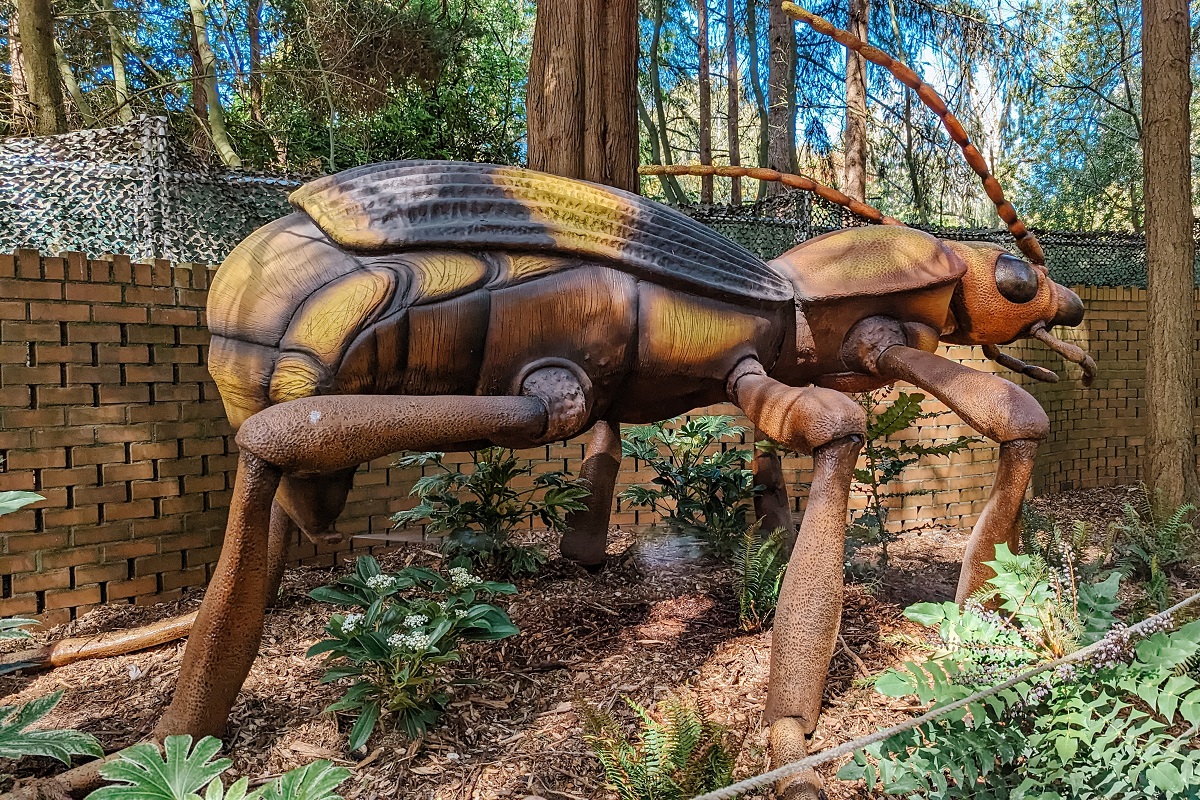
(323, 436)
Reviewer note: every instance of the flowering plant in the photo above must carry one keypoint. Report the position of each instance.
(405, 627)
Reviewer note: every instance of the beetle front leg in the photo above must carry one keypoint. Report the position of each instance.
(997, 408)
(832, 426)
(317, 435)
(1001, 411)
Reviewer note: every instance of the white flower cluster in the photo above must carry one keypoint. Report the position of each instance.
(352, 623)
(415, 620)
(380, 583)
(409, 641)
(461, 578)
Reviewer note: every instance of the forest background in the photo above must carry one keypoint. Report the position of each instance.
(1050, 90)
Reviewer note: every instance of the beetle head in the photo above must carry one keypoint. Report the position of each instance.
(1002, 298)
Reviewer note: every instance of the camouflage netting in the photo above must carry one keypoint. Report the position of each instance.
(775, 224)
(129, 189)
(134, 189)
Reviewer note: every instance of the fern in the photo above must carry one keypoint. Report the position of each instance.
(1122, 725)
(760, 563)
(18, 739)
(1146, 545)
(679, 753)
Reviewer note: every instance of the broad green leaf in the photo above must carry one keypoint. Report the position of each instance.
(18, 739)
(143, 773)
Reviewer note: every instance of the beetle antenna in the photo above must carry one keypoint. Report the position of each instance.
(1026, 241)
(786, 178)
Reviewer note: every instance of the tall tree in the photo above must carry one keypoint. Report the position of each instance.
(1166, 132)
(42, 79)
(734, 91)
(116, 44)
(704, 76)
(781, 91)
(254, 35)
(582, 113)
(674, 190)
(215, 112)
(756, 88)
(854, 174)
(22, 111)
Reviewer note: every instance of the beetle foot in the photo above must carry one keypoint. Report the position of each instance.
(789, 743)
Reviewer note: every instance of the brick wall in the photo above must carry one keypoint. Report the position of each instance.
(107, 410)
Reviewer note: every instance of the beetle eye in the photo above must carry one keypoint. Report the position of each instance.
(1016, 280)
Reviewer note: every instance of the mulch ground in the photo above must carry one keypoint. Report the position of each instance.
(653, 621)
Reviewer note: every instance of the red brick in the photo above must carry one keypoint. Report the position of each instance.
(101, 573)
(137, 587)
(101, 415)
(163, 562)
(59, 312)
(31, 290)
(97, 293)
(15, 331)
(19, 606)
(41, 581)
(71, 557)
(132, 510)
(37, 459)
(131, 549)
(99, 454)
(67, 517)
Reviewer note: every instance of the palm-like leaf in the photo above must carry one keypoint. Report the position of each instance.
(14, 501)
(316, 781)
(143, 773)
(14, 628)
(17, 740)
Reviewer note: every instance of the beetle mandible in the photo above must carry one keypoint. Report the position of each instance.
(439, 305)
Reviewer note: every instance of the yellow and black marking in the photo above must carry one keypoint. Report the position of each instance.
(432, 204)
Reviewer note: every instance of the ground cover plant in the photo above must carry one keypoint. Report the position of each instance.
(407, 625)
(1120, 724)
(1149, 544)
(679, 752)
(477, 511)
(881, 464)
(181, 772)
(760, 563)
(702, 485)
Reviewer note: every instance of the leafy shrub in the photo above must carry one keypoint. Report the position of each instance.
(701, 488)
(761, 563)
(1147, 545)
(15, 501)
(884, 463)
(144, 773)
(679, 753)
(409, 624)
(14, 628)
(18, 739)
(1120, 725)
(479, 526)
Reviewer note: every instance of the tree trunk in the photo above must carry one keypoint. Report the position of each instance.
(208, 78)
(116, 46)
(1166, 130)
(253, 28)
(581, 109)
(854, 175)
(704, 75)
(781, 89)
(656, 152)
(73, 91)
(760, 101)
(919, 197)
(22, 111)
(42, 79)
(734, 89)
(660, 109)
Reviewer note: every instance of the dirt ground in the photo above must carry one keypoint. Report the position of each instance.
(654, 620)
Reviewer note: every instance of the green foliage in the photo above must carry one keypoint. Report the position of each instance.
(1122, 724)
(679, 752)
(702, 486)
(477, 511)
(409, 624)
(14, 628)
(15, 501)
(761, 563)
(18, 740)
(884, 463)
(144, 773)
(1148, 544)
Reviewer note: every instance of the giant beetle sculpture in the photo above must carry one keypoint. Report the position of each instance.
(437, 305)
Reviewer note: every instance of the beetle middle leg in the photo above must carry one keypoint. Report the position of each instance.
(832, 427)
(586, 537)
(997, 408)
(324, 436)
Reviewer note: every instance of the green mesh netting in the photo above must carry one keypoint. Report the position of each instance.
(134, 189)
